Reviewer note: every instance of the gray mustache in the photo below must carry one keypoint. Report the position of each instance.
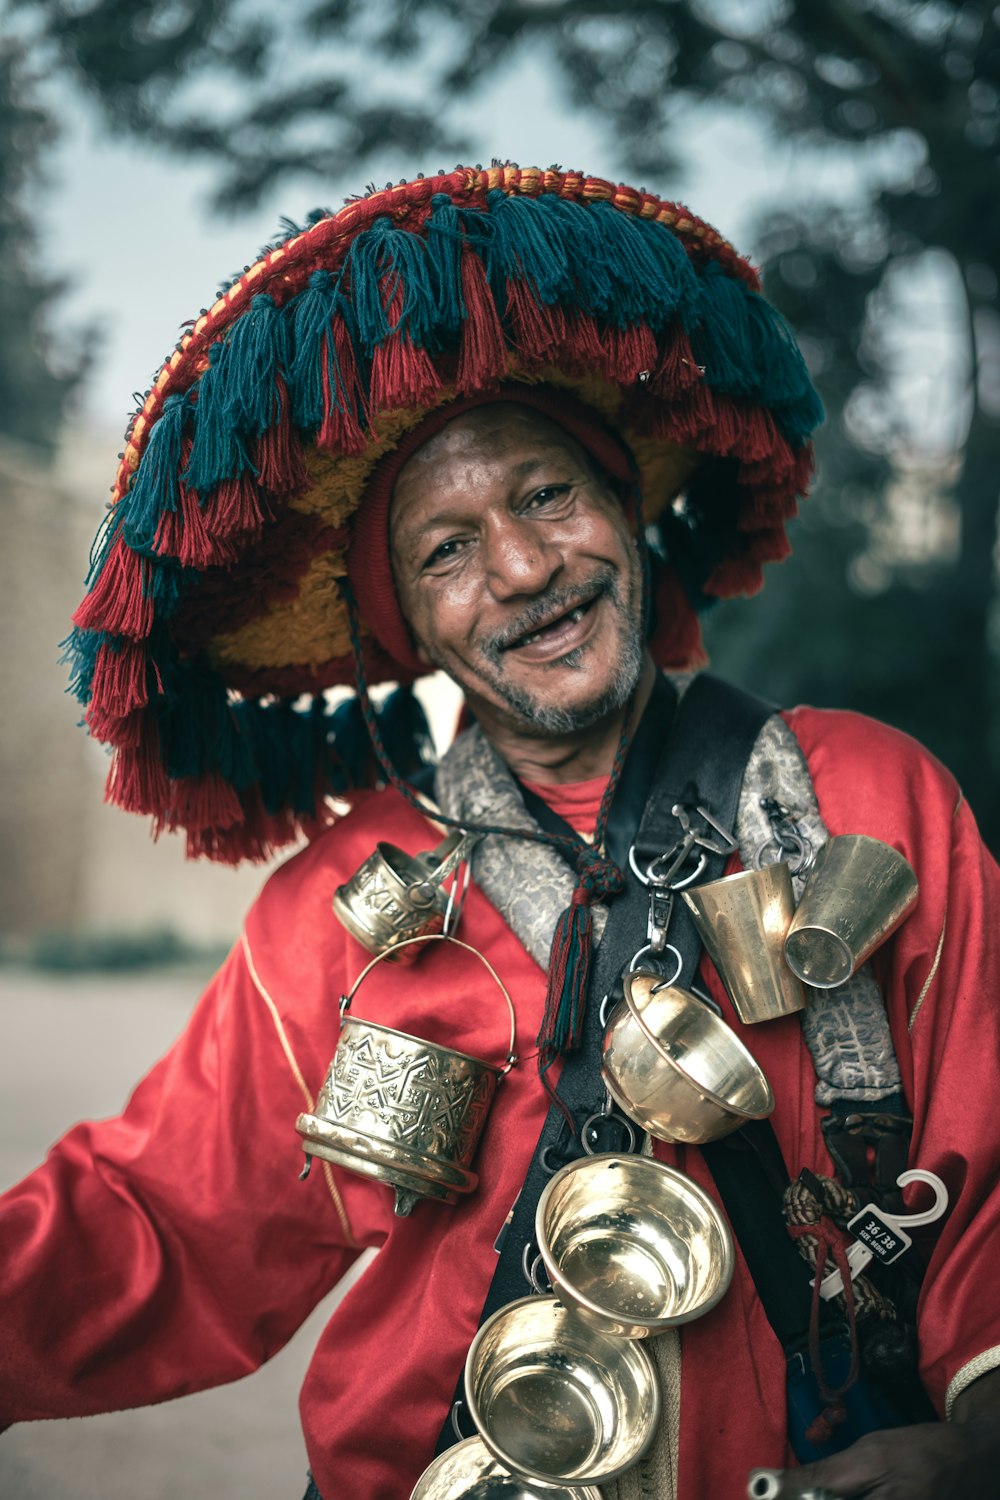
(546, 607)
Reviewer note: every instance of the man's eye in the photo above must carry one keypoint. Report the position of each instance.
(443, 552)
(547, 494)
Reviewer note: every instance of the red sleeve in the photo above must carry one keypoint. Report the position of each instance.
(940, 976)
(172, 1248)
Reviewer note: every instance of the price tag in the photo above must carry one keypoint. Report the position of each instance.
(882, 1237)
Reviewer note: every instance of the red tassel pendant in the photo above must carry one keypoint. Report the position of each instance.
(340, 431)
(118, 602)
(482, 353)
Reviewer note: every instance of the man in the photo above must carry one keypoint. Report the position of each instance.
(469, 394)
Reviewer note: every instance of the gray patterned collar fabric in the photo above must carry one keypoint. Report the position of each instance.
(530, 885)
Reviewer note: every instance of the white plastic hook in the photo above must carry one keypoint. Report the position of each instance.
(859, 1256)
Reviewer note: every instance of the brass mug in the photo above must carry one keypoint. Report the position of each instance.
(859, 892)
(405, 1111)
(742, 920)
(394, 896)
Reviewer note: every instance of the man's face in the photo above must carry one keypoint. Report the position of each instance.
(517, 571)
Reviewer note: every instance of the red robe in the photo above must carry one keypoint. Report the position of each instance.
(174, 1248)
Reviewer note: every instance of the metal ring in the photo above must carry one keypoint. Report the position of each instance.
(619, 1120)
(647, 948)
(531, 1272)
(547, 1168)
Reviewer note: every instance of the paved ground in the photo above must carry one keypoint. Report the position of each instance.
(71, 1049)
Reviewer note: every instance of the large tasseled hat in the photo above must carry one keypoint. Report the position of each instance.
(216, 615)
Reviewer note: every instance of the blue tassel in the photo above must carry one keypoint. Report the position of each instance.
(405, 732)
(521, 248)
(444, 258)
(154, 488)
(79, 652)
(217, 451)
(723, 342)
(353, 743)
(254, 354)
(748, 350)
(655, 264)
(164, 580)
(381, 263)
(310, 315)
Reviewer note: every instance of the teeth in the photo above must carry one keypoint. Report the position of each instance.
(573, 616)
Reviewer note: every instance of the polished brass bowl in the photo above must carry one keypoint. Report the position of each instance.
(557, 1401)
(469, 1471)
(676, 1068)
(632, 1246)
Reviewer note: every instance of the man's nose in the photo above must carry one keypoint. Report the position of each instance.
(520, 558)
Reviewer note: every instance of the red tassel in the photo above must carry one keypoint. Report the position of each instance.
(403, 375)
(676, 644)
(735, 575)
(482, 354)
(584, 344)
(199, 802)
(340, 431)
(118, 602)
(235, 508)
(629, 352)
(119, 681)
(539, 331)
(677, 369)
(281, 465)
(137, 780)
(756, 436)
(184, 534)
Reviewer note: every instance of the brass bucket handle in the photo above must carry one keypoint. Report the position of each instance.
(440, 937)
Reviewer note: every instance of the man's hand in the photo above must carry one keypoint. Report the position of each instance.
(935, 1461)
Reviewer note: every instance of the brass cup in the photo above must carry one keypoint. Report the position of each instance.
(403, 1110)
(556, 1401)
(859, 892)
(678, 1070)
(631, 1245)
(394, 897)
(742, 920)
(469, 1471)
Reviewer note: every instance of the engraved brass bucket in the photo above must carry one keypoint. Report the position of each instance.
(859, 892)
(394, 897)
(405, 1111)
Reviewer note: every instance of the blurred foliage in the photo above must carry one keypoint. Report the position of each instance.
(868, 617)
(71, 952)
(34, 386)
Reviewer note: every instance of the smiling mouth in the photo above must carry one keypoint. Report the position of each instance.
(552, 630)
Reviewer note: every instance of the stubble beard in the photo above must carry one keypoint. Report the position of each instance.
(534, 713)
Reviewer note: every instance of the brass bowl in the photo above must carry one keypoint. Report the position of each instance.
(678, 1070)
(557, 1401)
(632, 1246)
(470, 1472)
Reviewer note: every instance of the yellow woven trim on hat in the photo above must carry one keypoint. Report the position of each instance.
(338, 483)
(304, 631)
